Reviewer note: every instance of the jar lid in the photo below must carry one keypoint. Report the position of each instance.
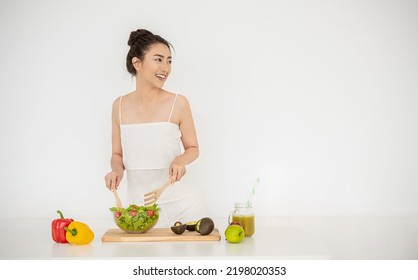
(241, 205)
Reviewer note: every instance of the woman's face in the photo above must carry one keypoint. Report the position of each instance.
(156, 65)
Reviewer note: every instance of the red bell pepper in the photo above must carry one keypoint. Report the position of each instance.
(58, 231)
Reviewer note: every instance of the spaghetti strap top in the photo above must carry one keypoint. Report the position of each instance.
(148, 149)
(151, 145)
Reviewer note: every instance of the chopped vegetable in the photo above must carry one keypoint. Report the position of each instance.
(136, 218)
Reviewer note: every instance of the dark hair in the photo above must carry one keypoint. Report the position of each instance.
(140, 41)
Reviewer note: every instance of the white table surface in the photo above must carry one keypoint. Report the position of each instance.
(288, 238)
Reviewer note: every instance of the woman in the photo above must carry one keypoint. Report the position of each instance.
(153, 134)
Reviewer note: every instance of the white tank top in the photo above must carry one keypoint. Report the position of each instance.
(151, 145)
(148, 150)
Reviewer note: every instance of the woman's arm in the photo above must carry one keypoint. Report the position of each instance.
(189, 139)
(114, 177)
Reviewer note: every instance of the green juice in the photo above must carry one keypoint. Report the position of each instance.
(247, 223)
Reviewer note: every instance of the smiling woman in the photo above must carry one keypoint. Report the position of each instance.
(140, 42)
(153, 134)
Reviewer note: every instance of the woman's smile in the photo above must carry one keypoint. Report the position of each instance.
(161, 77)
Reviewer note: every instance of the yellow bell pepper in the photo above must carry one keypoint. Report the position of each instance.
(79, 233)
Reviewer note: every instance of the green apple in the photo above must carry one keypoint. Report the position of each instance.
(234, 233)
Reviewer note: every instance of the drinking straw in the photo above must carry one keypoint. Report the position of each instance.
(252, 192)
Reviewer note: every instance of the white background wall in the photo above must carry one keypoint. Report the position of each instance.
(317, 98)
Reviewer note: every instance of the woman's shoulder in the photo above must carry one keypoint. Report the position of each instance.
(119, 98)
(181, 100)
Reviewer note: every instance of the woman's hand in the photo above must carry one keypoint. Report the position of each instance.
(113, 179)
(177, 169)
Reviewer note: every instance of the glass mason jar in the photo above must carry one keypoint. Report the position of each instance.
(243, 214)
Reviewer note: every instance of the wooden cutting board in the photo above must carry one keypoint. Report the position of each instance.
(158, 234)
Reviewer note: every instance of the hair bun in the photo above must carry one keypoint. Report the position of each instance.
(139, 34)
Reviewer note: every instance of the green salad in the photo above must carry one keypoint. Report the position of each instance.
(136, 218)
